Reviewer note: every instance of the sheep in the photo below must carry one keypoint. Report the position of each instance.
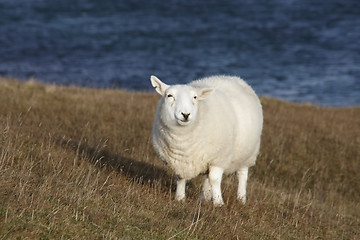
(210, 126)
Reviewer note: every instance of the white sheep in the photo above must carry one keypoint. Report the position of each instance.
(212, 126)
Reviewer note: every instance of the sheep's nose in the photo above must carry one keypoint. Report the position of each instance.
(185, 115)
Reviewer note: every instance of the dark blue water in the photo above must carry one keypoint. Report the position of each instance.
(302, 51)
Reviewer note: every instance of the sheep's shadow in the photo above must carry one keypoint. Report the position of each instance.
(141, 172)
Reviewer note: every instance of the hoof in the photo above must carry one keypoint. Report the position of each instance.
(242, 199)
(218, 203)
(180, 198)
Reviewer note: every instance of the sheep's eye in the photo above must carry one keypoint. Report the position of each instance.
(195, 97)
(169, 95)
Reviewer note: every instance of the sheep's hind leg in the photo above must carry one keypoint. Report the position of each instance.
(206, 190)
(180, 189)
(242, 175)
(215, 177)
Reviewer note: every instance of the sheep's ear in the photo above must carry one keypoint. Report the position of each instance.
(205, 92)
(159, 86)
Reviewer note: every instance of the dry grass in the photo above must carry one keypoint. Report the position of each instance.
(78, 164)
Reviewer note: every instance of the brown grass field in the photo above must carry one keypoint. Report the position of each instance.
(78, 163)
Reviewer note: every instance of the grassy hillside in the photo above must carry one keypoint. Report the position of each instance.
(78, 164)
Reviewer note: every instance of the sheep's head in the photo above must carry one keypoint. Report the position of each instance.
(180, 102)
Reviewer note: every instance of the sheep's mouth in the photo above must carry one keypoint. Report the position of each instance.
(183, 122)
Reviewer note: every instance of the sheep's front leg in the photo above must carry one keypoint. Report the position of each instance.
(215, 177)
(242, 175)
(180, 189)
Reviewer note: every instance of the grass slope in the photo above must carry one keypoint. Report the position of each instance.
(78, 164)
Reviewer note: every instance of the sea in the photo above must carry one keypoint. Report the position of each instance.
(303, 51)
